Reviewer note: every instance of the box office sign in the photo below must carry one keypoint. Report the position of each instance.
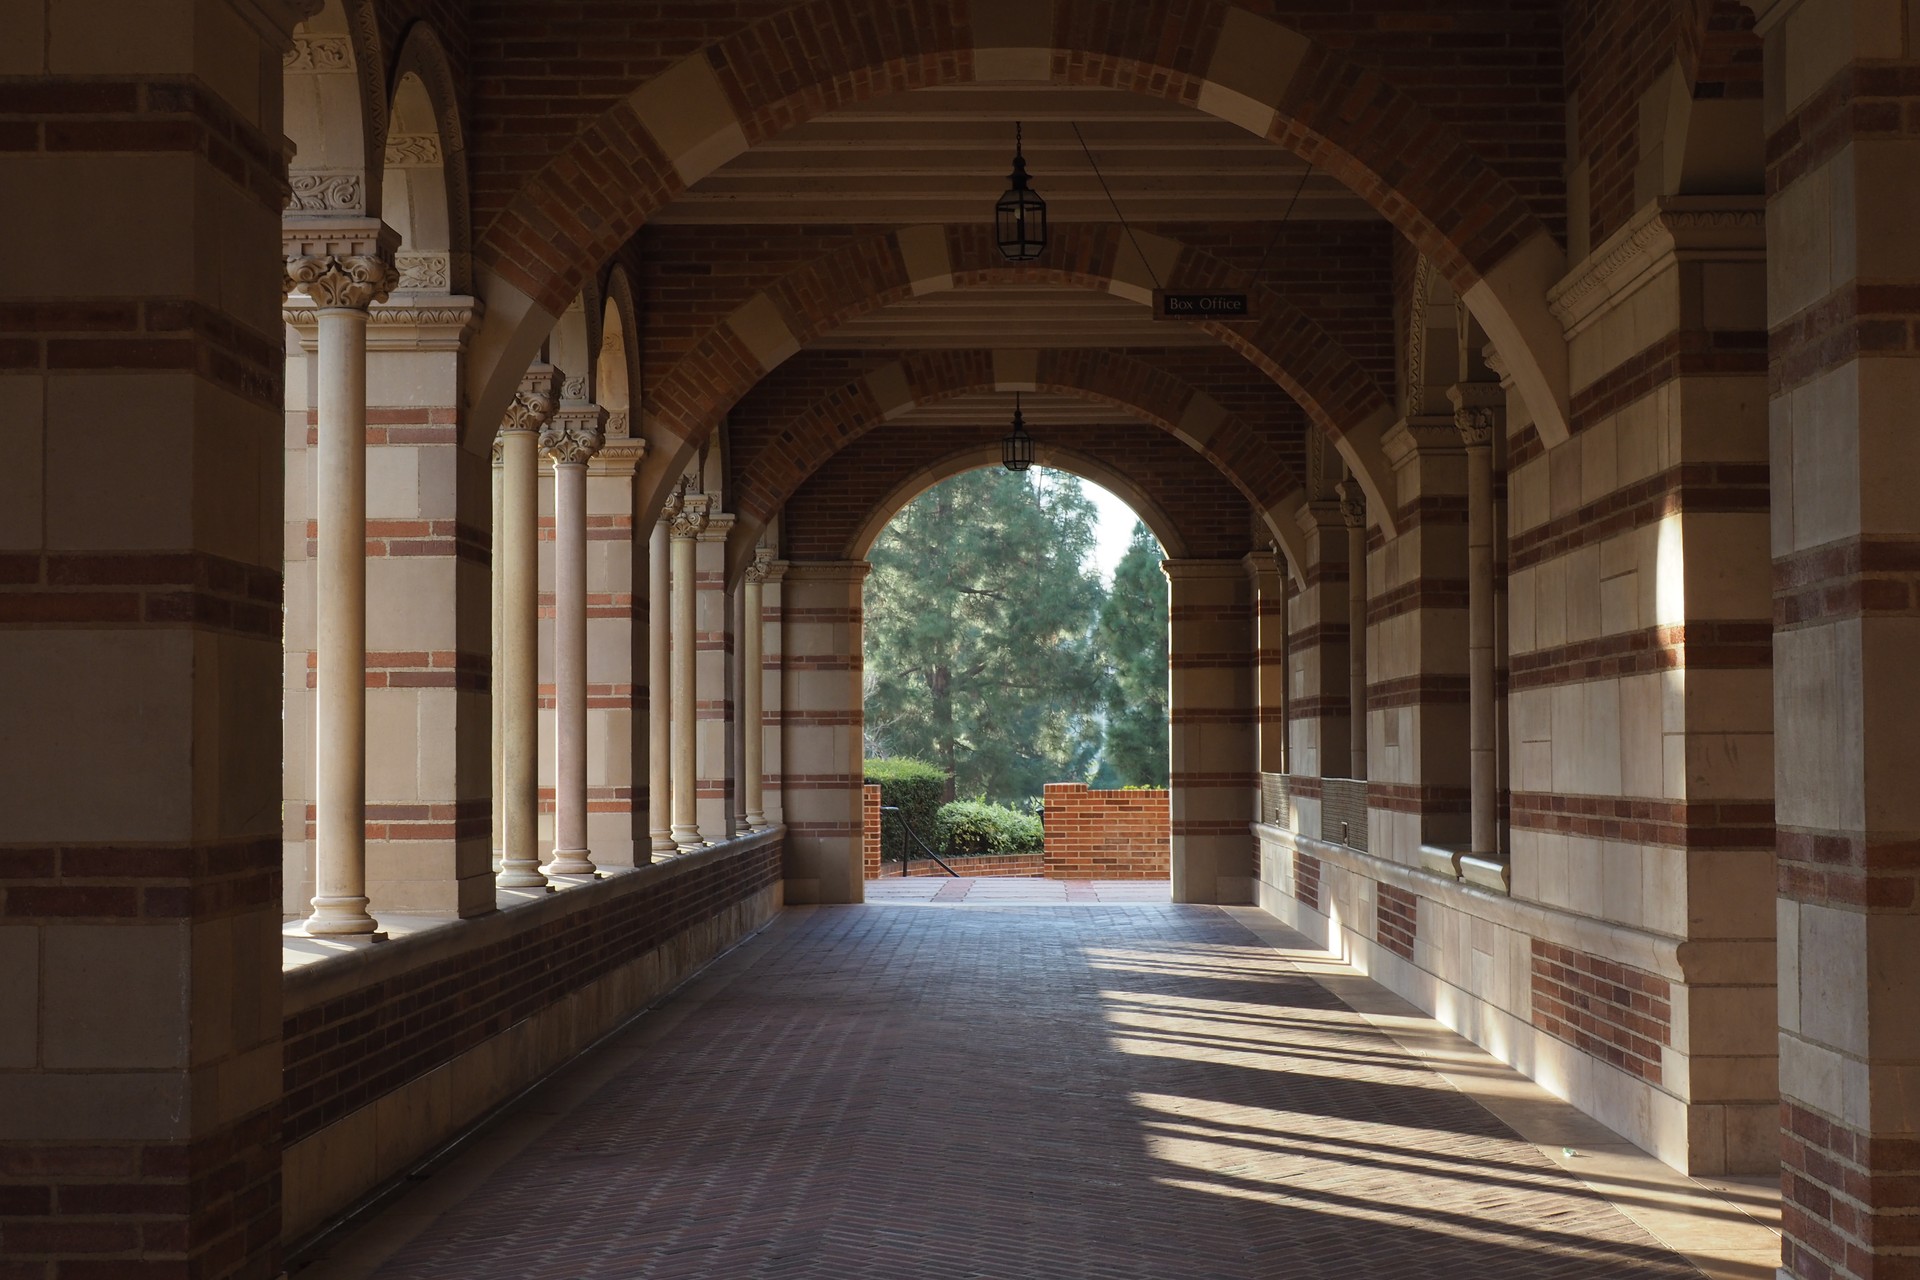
(1171, 304)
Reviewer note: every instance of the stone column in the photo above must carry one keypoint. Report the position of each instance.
(823, 787)
(713, 681)
(1317, 649)
(1353, 510)
(516, 545)
(752, 687)
(343, 282)
(1210, 708)
(497, 572)
(1843, 303)
(1475, 416)
(686, 528)
(617, 622)
(571, 438)
(772, 684)
(1269, 578)
(660, 679)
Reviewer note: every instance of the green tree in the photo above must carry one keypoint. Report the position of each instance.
(1132, 636)
(979, 633)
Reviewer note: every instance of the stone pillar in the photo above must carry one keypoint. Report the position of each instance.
(516, 545)
(346, 271)
(1843, 301)
(1211, 713)
(1269, 579)
(660, 679)
(140, 492)
(687, 526)
(752, 687)
(713, 681)
(571, 438)
(1353, 510)
(1317, 650)
(821, 615)
(496, 695)
(1476, 415)
(772, 683)
(617, 622)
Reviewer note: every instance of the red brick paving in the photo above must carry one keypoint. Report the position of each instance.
(1112, 1090)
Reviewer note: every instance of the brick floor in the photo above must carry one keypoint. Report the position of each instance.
(1112, 1090)
(1014, 889)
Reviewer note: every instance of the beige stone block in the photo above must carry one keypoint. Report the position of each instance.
(80, 204)
(1800, 228)
(1550, 604)
(1819, 717)
(113, 996)
(763, 331)
(1833, 978)
(929, 264)
(410, 603)
(393, 483)
(83, 1106)
(112, 753)
(1731, 892)
(1622, 883)
(21, 435)
(1876, 187)
(1729, 765)
(1726, 573)
(1663, 880)
(1253, 63)
(1141, 260)
(120, 463)
(19, 996)
(1818, 1076)
(687, 112)
(1013, 40)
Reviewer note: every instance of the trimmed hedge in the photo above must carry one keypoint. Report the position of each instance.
(916, 786)
(974, 826)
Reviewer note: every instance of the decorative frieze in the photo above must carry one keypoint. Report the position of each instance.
(413, 150)
(695, 512)
(318, 53)
(324, 192)
(1696, 228)
(422, 272)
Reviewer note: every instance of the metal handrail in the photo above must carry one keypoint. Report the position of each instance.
(906, 826)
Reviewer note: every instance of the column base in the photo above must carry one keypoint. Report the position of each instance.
(340, 918)
(572, 862)
(687, 839)
(663, 843)
(521, 873)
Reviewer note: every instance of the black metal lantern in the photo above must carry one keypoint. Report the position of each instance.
(1016, 451)
(1020, 219)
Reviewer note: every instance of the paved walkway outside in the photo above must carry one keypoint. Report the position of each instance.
(990, 1088)
(1011, 889)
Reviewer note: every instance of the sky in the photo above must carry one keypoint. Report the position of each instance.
(1114, 531)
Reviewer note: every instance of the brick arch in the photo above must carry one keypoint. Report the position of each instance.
(1057, 456)
(873, 272)
(1238, 451)
(825, 54)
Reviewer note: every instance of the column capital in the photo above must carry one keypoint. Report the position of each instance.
(762, 565)
(1353, 503)
(1420, 436)
(719, 523)
(1477, 410)
(1318, 513)
(341, 263)
(574, 434)
(534, 403)
(691, 520)
(620, 455)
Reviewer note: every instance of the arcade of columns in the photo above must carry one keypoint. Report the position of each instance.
(1570, 665)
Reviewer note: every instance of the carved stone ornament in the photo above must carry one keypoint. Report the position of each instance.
(325, 193)
(529, 411)
(762, 564)
(1353, 503)
(1475, 423)
(413, 150)
(423, 271)
(695, 511)
(619, 424)
(574, 389)
(676, 499)
(572, 438)
(354, 282)
(318, 53)
(499, 447)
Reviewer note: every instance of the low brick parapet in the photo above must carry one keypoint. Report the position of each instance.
(1106, 835)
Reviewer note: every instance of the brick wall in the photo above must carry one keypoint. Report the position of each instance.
(1617, 1013)
(1106, 835)
(982, 864)
(1396, 919)
(1306, 879)
(436, 1028)
(870, 829)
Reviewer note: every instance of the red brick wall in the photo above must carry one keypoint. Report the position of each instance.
(1616, 1013)
(348, 1050)
(1306, 880)
(982, 864)
(870, 829)
(1396, 919)
(1106, 835)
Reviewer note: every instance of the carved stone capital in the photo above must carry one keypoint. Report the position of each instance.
(676, 500)
(355, 282)
(1353, 503)
(696, 511)
(1477, 407)
(762, 564)
(534, 403)
(574, 434)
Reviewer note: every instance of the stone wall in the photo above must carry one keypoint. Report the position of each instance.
(393, 1050)
(1106, 835)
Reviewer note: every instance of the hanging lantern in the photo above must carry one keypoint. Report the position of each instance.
(1020, 219)
(1016, 451)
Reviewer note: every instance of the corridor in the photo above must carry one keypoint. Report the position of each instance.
(995, 1088)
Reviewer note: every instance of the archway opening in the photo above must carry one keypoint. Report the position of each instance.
(1015, 679)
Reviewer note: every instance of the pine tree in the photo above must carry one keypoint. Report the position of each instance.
(1132, 636)
(980, 614)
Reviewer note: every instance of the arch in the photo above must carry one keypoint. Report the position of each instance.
(1059, 457)
(867, 274)
(335, 111)
(425, 191)
(1265, 77)
(1231, 445)
(617, 363)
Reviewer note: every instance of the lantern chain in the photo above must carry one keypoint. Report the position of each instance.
(1101, 178)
